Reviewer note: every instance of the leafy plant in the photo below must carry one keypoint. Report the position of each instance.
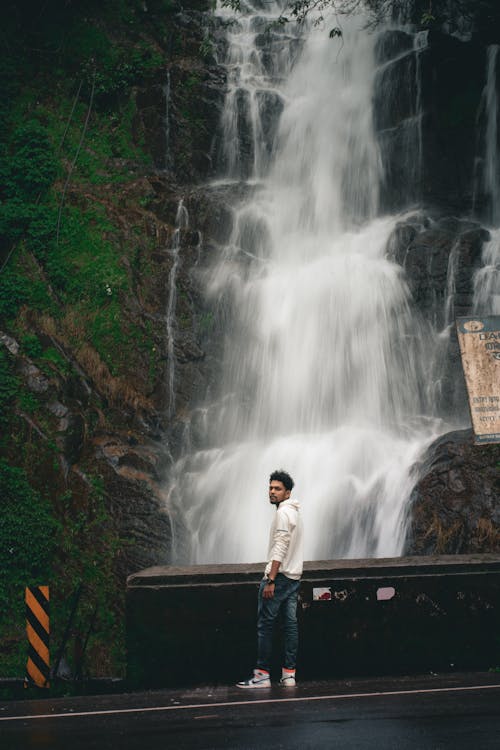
(27, 540)
(31, 345)
(9, 383)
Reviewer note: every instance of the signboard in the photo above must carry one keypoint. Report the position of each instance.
(479, 340)
(322, 595)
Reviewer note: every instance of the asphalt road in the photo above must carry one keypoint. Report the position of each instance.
(459, 712)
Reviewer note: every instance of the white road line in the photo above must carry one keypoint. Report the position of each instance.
(305, 698)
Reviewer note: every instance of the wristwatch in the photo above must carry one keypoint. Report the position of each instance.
(270, 580)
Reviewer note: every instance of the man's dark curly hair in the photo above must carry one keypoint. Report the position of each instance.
(284, 477)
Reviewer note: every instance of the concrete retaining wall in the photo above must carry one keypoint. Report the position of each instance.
(197, 625)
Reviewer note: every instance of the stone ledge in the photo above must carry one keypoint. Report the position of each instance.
(338, 569)
(187, 626)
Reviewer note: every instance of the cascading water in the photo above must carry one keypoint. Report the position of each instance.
(420, 43)
(487, 278)
(492, 166)
(181, 222)
(323, 361)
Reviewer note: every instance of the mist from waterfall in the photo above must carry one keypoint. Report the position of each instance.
(325, 359)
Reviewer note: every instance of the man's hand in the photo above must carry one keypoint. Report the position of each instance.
(268, 592)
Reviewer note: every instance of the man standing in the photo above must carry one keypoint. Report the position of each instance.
(279, 589)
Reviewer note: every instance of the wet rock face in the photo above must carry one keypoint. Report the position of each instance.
(453, 77)
(440, 258)
(130, 471)
(426, 107)
(178, 115)
(454, 506)
(392, 44)
(113, 423)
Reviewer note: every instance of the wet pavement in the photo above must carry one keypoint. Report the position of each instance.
(432, 712)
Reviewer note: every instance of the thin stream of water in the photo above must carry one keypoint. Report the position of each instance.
(181, 222)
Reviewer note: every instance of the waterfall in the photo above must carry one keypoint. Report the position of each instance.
(486, 163)
(325, 356)
(181, 222)
(487, 278)
(451, 287)
(420, 43)
(492, 166)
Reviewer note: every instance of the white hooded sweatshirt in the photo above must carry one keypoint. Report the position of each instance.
(286, 540)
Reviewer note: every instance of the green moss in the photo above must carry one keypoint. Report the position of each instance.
(83, 264)
(9, 384)
(71, 549)
(108, 335)
(206, 323)
(87, 550)
(27, 542)
(31, 345)
(14, 291)
(52, 357)
(28, 402)
(67, 150)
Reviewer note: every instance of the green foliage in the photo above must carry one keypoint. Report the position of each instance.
(28, 402)
(27, 533)
(28, 166)
(84, 265)
(483, 16)
(53, 357)
(118, 68)
(108, 336)
(207, 48)
(40, 232)
(78, 547)
(33, 166)
(86, 552)
(31, 345)
(9, 383)
(14, 291)
(64, 259)
(27, 540)
(427, 19)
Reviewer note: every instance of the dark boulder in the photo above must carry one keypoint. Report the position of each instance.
(455, 505)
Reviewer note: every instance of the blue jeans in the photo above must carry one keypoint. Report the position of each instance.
(284, 600)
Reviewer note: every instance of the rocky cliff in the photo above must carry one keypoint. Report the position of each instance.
(110, 116)
(108, 345)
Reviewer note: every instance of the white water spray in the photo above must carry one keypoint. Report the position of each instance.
(323, 365)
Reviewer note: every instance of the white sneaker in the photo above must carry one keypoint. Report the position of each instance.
(260, 679)
(288, 678)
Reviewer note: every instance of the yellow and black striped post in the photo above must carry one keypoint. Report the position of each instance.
(38, 630)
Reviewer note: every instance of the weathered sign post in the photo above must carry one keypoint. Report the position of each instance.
(479, 339)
